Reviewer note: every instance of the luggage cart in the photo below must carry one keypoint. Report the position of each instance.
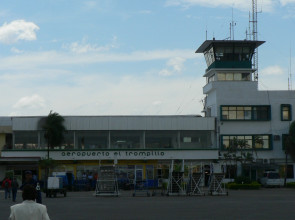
(141, 186)
(193, 185)
(216, 188)
(107, 184)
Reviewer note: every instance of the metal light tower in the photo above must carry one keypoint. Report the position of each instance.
(254, 37)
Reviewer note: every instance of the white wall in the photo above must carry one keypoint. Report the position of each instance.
(246, 93)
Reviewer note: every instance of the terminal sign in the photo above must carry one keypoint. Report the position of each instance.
(90, 155)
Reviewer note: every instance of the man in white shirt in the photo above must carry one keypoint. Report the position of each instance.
(28, 209)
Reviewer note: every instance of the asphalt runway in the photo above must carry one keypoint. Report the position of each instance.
(261, 204)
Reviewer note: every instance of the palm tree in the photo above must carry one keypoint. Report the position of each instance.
(54, 130)
(54, 135)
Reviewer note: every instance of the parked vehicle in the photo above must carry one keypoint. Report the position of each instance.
(271, 179)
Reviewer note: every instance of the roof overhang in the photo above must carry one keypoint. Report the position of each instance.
(207, 43)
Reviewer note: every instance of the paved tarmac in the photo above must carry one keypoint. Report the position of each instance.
(261, 204)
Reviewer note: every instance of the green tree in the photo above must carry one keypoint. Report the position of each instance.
(54, 130)
(238, 152)
(290, 142)
(289, 147)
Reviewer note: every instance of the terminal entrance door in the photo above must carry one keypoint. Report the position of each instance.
(138, 172)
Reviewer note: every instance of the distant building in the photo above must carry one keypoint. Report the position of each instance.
(146, 145)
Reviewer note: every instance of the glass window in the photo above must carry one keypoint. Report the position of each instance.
(245, 113)
(68, 142)
(248, 141)
(238, 76)
(160, 139)
(195, 139)
(233, 76)
(229, 76)
(92, 139)
(26, 140)
(246, 76)
(221, 76)
(126, 139)
(261, 142)
(286, 114)
(209, 56)
(261, 113)
(211, 78)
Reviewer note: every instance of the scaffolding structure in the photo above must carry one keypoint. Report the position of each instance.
(107, 184)
(216, 186)
(194, 187)
(176, 184)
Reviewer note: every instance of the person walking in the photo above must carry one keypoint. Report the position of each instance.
(6, 184)
(14, 187)
(29, 209)
(30, 181)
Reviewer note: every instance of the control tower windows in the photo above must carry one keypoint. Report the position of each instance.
(233, 76)
(232, 53)
(209, 56)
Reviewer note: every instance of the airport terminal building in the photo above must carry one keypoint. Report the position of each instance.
(146, 145)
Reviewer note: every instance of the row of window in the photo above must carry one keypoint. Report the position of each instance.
(117, 140)
(222, 53)
(246, 142)
(230, 77)
(254, 113)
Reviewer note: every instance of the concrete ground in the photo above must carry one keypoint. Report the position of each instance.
(241, 204)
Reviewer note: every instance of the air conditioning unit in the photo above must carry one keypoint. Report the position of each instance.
(276, 137)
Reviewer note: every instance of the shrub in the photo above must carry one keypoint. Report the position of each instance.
(253, 185)
(242, 180)
(290, 185)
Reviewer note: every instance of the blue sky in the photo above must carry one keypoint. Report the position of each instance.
(131, 57)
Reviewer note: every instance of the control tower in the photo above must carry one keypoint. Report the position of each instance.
(229, 63)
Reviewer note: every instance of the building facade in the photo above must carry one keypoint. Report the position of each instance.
(235, 110)
(142, 144)
(260, 119)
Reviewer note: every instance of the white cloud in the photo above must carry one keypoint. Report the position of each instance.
(97, 94)
(286, 2)
(18, 30)
(165, 72)
(50, 58)
(29, 102)
(173, 66)
(272, 70)
(84, 47)
(268, 5)
(15, 50)
(176, 63)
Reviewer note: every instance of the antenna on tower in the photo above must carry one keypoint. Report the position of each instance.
(290, 73)
(248, 31)
(232, 25)
(254, 37)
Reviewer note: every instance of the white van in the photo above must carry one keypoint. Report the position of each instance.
(271, 179)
